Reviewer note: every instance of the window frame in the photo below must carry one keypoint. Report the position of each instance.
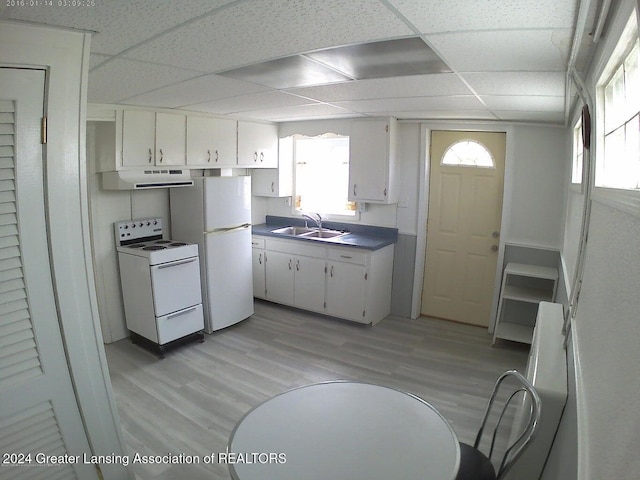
(575, 141)
(325, 216)
(611, 55)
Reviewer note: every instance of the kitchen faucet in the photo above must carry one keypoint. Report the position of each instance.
(315, 218)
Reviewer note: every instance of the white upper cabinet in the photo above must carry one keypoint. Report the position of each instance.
(153, 139)
(372, 162)
(211, 142)
(257, 145)
(275, 182)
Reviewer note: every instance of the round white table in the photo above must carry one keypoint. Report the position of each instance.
(343, 430)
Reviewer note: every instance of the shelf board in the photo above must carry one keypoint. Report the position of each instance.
(524, 294)
(533, 271)
(514, 332)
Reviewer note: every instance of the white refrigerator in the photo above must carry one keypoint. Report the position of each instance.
(216, 214)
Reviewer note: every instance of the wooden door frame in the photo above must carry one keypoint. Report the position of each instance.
(423, 207)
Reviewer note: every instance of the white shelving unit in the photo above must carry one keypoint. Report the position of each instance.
(523, 288)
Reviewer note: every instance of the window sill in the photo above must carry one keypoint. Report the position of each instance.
(626, 200)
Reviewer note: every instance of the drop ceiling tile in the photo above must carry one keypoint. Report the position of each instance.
(96, 59)
(462, 102)
(461, 15)
(121, 78)
(246, 103)
(118, 24)
(201, 89)
(315, 111)
(524, 103)
(527, 50)
(440, 114)
(410, 86)
(250, 32)
(517, 83)
(529, 116)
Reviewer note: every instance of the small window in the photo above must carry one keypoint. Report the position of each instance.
(468, 153)
(578, 154)
(620, 165)
(322, 175)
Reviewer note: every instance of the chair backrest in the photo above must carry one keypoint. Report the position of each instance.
(518, 441)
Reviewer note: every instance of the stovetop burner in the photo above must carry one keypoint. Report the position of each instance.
(137, 245)
(177, 244)
(154, 247)
(162, 241)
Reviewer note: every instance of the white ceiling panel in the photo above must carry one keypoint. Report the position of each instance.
(524, 103)
(410, 86)
(196, 90)
(441, 115)
(121, 78)
(118, 23)
(531, 116)
(413, 104)
(246, 103)
(517, 83)
(314, 111)
(527, 50)
(464, 15)
(96, 59)
(251, 32)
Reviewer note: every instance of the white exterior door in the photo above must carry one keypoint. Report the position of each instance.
(465, 207)
(38, 411)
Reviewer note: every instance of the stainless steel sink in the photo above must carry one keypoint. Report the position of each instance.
(293, 230)
(311, 233)
(323, 234)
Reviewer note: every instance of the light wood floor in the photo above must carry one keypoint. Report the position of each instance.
(189, 402)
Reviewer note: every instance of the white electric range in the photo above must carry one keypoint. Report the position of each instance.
(160, 285)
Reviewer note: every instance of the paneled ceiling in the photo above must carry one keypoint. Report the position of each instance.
(500, 60)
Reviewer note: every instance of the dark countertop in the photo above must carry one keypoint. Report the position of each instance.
(360, 236)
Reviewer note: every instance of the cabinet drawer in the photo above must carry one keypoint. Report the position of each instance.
(179, 324)
(348, 255)
(257, 242)
(297, 247)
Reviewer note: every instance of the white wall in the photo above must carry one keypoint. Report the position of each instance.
(536, 209)
(606, 328)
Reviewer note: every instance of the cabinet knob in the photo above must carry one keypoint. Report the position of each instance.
(261, 156)
(331, 271)
(208, 155)
(494, 248)
(217, 156)
(289, 264)
(273, 185)
(260, 259)
(354, 190)
(161, 156)
(255, 156)
(298, 265)
(150, 156)
(495, 234)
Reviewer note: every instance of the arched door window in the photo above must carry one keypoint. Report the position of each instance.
(468, 153)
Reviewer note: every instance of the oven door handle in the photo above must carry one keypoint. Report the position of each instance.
(175, 264)
(184, 312)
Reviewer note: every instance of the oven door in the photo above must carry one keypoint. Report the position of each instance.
(176, 285)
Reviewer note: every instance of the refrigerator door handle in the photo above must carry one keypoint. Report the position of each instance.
(228, 229)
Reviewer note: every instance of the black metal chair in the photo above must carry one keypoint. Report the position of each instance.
(475, 465)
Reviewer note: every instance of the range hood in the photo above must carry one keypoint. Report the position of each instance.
(145, 179)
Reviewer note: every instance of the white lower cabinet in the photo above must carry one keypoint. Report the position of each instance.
(343, 282)
(258, 263)
(346, 290)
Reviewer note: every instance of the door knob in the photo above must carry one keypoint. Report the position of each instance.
(494, 248)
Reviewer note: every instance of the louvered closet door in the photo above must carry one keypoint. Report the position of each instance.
(39, 415)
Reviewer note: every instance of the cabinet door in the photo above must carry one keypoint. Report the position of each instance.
(138, 138)
(211, 142)
(257, 145)
(309, 283)
(171, 133)
(259, 280)
(279, 277)
(369, 161)
(346, 290)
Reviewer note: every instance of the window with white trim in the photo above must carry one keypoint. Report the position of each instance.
(322, 175)
(578, 153)
(619, 166)
(468, 153)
